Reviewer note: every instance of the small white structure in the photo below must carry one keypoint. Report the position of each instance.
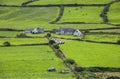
(56, 41)
(77, 32)
(52, 69)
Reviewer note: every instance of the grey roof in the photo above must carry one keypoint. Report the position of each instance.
(65, 29)
(32, 29)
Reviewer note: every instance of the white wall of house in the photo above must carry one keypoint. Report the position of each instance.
(77, 33)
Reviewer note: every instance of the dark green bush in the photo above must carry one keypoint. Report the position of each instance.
(118, 41)
(6, 43)
(51, 41)
(79, 69)
(48, 35)
(56, 46)
(70, 61)
(113, 77)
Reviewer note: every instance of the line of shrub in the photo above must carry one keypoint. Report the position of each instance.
(80, 23)
(27, 2)
(9, 29)
(102, 69)
(59, 16)
(97, 69)
(100, 28)
(52, 5)
(8, 44)
(114, 33)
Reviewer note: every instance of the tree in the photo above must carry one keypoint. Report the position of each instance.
(70, 61)
(56, 46)
(48, 35)
(6, 43)
(51, 41)
(79, 69)
(113, 77)
(118, 41)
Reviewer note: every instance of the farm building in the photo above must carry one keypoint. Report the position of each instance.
(34, 30)
(52, 69)
(70, 31)
(56, 41)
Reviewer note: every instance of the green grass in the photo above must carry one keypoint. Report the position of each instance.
(9, 33)
(82, 14)
(114, 13)
(30, 62)
(37, 35)
(19, 2)
(65, 36)
(92, 54)
(13, 2)
(32, 24)
(21, 18)
(37, 14)
(103, 37)
(70, 2)
(18, 41)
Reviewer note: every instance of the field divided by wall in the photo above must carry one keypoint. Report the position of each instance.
(92, 54)
(31, 63)
(19, 2)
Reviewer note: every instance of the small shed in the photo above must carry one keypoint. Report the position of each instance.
(52, 69)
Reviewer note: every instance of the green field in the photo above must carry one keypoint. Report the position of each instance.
(82, 14)
(19, 63)
(9, 33)
(70, 2)
(18, 41)
(15, 33)
(40, 2)
(28, 14)
(114, 13)
(103, 37)
(92, 54)
(66, 36)
(21, 18)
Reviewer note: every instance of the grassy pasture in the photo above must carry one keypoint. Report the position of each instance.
(19, 2)
(32, 24)
(70, 2)
(114, 13)
(13, 2)
(82, 14)
(44, 14)
(92, 54)
(107, 31)
(9, 33)
(103, 37)
(65, 36)
(21, 18)
(18, 41)
(30, 62)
